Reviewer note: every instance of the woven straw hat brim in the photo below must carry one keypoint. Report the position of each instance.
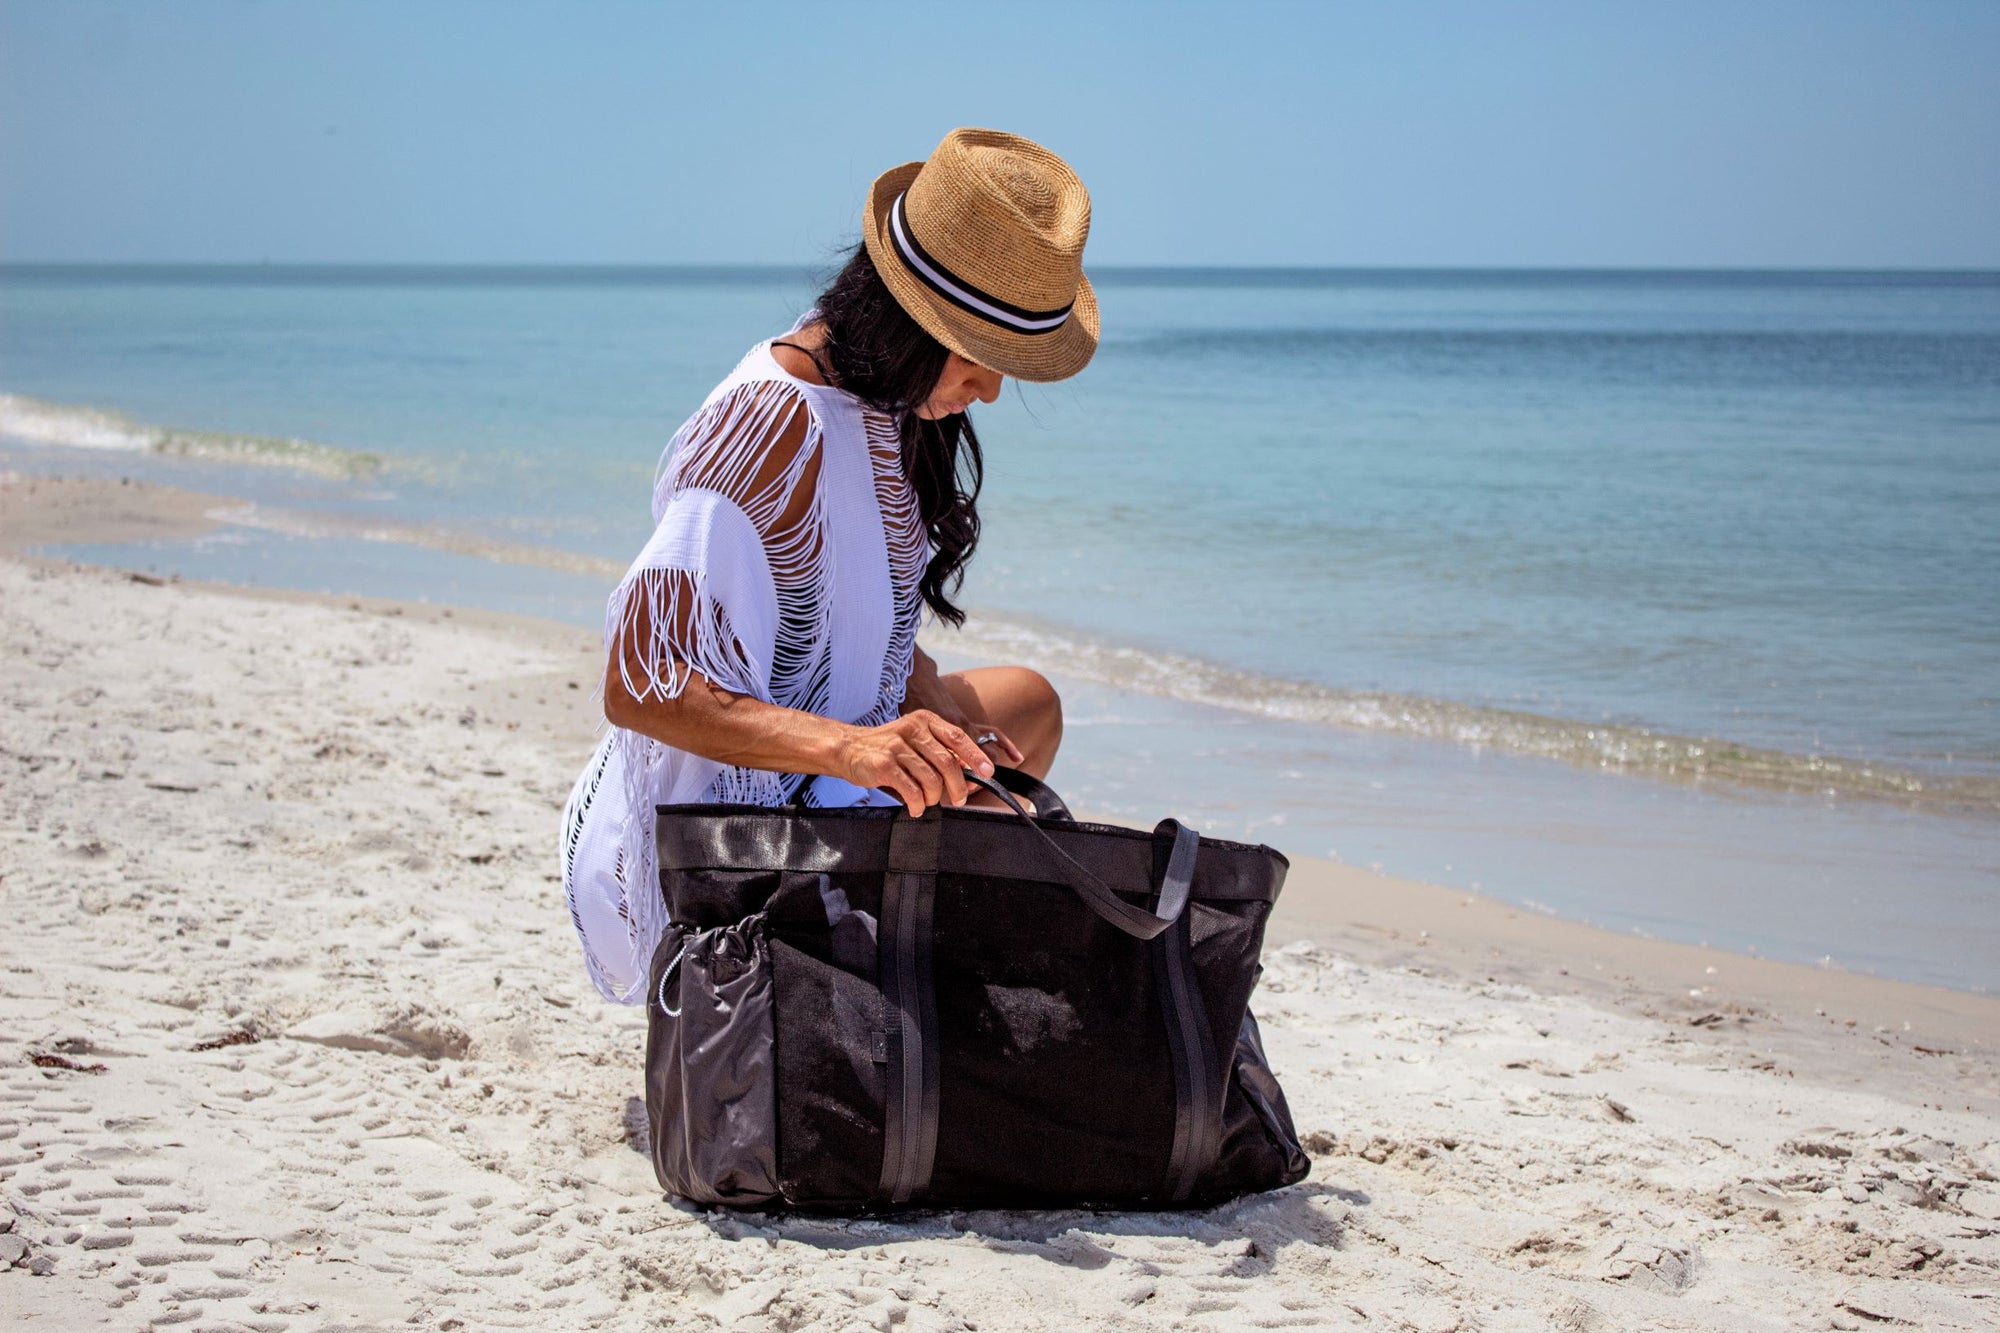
(1037, 357)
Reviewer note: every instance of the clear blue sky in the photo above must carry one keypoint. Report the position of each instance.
(1756, 132)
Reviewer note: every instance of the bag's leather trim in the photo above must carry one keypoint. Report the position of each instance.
(711, 836)
(903, 952)
(1197, 1103)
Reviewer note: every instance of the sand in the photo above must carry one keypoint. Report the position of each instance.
(296, 1036)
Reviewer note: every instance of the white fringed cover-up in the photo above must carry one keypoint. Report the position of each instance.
(784, 565)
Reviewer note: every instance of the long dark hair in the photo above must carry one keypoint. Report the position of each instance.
(883, 357)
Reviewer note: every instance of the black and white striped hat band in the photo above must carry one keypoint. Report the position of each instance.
(963, 294)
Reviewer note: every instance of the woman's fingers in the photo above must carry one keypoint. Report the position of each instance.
(926, 786)
(943, 752)
(892, 777)
(949, 769)
(905, 791)
(921, 759)
(962, 753)
(1005, 742)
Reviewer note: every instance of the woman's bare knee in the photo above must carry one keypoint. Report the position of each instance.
(1021, 702)
(1044, 705)
(1035, 710)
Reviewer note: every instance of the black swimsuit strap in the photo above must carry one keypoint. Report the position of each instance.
(825, 372)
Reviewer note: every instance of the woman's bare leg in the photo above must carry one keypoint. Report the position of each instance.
(1019, 701)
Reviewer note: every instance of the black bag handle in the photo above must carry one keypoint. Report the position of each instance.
(1038, 794)
(1100, 897)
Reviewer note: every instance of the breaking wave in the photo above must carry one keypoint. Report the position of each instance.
(1610, 747)
(40, 422)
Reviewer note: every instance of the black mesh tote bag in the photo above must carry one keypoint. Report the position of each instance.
(857, 1011)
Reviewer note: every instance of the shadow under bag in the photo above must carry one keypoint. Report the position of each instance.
(854, 1010)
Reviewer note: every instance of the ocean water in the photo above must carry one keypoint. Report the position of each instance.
(1711, 558)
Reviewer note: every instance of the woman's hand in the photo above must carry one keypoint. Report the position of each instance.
(926, 689)
(920, 758)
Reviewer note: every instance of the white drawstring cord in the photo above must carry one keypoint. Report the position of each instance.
(662, 993)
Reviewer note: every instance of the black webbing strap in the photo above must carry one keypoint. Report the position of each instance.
(903, 955)
(1197, 1101)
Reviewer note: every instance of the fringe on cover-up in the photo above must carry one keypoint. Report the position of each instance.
(736, 585)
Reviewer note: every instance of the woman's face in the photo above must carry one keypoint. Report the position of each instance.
(958, 387)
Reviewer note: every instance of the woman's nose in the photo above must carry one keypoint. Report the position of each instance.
(986, 384)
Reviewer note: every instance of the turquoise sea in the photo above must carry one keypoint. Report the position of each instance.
(1669, 601)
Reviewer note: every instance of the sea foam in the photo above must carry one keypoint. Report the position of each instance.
(1605, 746)
(36, 421)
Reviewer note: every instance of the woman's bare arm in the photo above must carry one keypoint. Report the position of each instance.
(732, 728)
(920, 757)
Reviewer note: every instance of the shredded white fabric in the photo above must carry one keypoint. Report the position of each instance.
(784, 565)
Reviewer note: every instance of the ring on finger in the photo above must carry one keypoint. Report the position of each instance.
(986, 738)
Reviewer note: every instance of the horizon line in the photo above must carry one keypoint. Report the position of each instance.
(774, 268)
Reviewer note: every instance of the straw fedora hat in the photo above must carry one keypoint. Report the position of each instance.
(983, 245)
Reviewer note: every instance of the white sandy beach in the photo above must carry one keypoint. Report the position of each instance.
(296, 1036)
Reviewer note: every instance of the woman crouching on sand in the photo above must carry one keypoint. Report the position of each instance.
(762, 648)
